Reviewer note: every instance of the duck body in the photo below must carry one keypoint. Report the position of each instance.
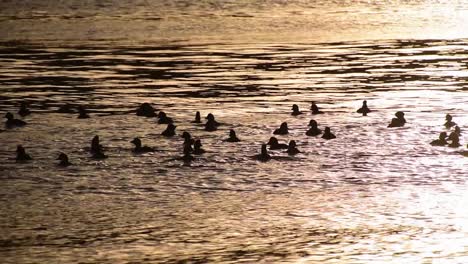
(399, 121)
(139, 148)
(197, 118)
(292, 149)
(146, 110)
(63, 160)
(211, 124)
(449, 123)
(170, 131)
(99, 155)
(315, 110)
(364, 110)
(328, 134)
(441, 141)
(282, 130)
(164, 119)
(232, 136)
(274, 144)
(313, 130)
(21, 154)
(13, 122)
(197, 148)
(295, 110)
(263, 156)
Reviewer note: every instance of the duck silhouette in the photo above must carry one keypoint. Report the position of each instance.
(295, 110)
(197, 118)
(315, 110)
(164, 119)
(328, 134)
(211, 124)
(313, 130)
(399, 121)
(232, 136)
(263, 156)
(63, 160)
(449, 123)
(12, 122)
(455, 141)
(170, 131)
(274, 144)
(441, 141)
(21, 154)
(197, 148)
(364, 110)
(282, 130)
(145, 109)
(292, 150)
(139, 148)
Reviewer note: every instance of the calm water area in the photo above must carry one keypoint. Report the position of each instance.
(372, 195)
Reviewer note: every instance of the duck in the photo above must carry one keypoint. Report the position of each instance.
(170, 131)
(263, 156)
(328, 134)
(399, 121)
(313, 130)
(145, 109)
(364, 110)
(99, 155)
(197, 148)
(82, 113)
(187, 157)
(21, 154)
(12, 122)
(282, 130)
(295, 110)
(197, 118)
(211, 124)
(441, 141)
(274, 144)
(188, 140)
(292, 150)
(456, 132)
(65, 109)
(164, 119)
(455, 142)
(315, 109)
(139, 148)
(95, 145)
(24, 111)
(449, 123)
(63, 160)
(232, 136)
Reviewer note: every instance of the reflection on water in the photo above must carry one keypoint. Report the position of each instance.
(372, 195)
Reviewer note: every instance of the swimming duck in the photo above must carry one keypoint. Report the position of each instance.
(399, 121)
(99, 155)
(63, 160)
(263, 156)
(188, 140)
(313, 130)
(315, 109)
(66, 109)
(139, 148)
(21, 154)
(82, 112)
(164, 119)
(441, 141)
(457, 132)
(12, 122)
(282, 130)
(364, 110)
(295, 110)
(328, 134)
(145, 109)
(24, 111)
(170, 131)
(211, 124)
(232, 136)
(455, 141)
(197, 148)
(197, 118)
(187, 157)
(95, 145)
(449, 123)
(292, 150)
(274, 144)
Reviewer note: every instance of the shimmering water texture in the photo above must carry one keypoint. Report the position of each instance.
(374, 194)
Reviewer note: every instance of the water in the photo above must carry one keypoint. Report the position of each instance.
(373, 195)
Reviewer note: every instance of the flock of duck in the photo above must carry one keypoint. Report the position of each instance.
(194, 147)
